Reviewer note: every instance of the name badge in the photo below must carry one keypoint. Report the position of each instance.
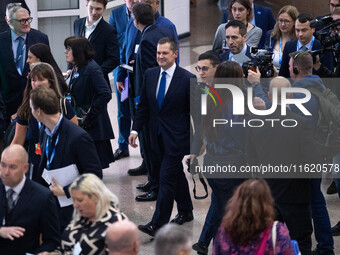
(136, 48)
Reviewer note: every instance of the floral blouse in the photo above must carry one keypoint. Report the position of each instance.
(91, 236)
(223, 244)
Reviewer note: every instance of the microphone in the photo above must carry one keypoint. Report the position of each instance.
(315, 23)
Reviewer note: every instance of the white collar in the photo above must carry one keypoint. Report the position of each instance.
(17, 189)
(94, 24)
(170, 71)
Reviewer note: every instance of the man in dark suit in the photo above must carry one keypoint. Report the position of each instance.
(305, 41)
(118, 20)
(236, 36)
(62, 144)
(28, 212)
(165, 90)
(281, 145)
(101, 35)
(262, 18)
(14, 46)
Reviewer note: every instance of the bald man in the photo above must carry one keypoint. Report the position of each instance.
(122, 238)
(27, 210)
(286, 146)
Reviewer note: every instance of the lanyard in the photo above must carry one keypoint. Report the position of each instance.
(48, 144)
(280, 51)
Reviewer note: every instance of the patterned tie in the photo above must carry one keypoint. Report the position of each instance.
(10, 200)
(18, 59)
(161, 90)
(303, 48)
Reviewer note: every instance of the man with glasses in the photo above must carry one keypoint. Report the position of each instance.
(3, 10)
(14, 45)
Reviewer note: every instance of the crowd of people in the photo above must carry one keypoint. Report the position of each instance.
(52, 196)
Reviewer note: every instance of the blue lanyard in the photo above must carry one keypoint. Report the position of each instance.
(49, 160)
(280, 52)
(298, 44)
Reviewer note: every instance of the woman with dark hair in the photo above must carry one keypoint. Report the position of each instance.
(90, 95)
(238, 10)
(224, 145)
(40, 52)
(248, 224)
(284, 31)
(27, 127)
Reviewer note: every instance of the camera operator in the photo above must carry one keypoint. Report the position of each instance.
(321, 69)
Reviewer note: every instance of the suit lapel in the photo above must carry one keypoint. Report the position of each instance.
(153, 87)
(58, 159)
(97, 31)
(23, 201)
(175, 82)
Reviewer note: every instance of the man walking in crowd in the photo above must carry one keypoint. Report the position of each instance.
(14, 45)
(165, 89)
(101, 35)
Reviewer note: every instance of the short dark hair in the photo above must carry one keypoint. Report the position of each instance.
(304, 17)
(82, 49)
(210, 55)
(103, 2)
(302, 60)
(239, 24)
(46, 99)
(143, 13)
(172, 42)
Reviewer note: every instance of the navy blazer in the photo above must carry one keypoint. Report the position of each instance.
(104, 42)
(264, 19)
(326, 59)
(174, 124)
(270, 41)
(225, 55)
(147, 53)
(36, 212)
(75, 146)
(12, 85)
(89, 89)
(118, 20)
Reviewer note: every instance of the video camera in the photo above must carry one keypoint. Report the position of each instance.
(263, 60)
(327, 39)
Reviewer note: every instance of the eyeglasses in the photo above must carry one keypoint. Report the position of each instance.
(203, 68)
(68, 48)
(23, 21)
(334, 5)
(284, 21)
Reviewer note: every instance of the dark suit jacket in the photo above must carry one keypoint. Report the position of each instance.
(36, 212)
(280, 145)
(264, 19)
(174, 124)
(75, 146)
(91, 90)
(104, 42)
(225, 55)
(12, 85)
(147, 53)
(291, 46)
(118, 20)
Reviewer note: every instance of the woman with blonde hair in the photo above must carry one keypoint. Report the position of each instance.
(248, 225)
(284, 31)
(95, 207)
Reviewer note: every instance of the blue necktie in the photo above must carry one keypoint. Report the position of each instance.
(18, 60)
(161, 90)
